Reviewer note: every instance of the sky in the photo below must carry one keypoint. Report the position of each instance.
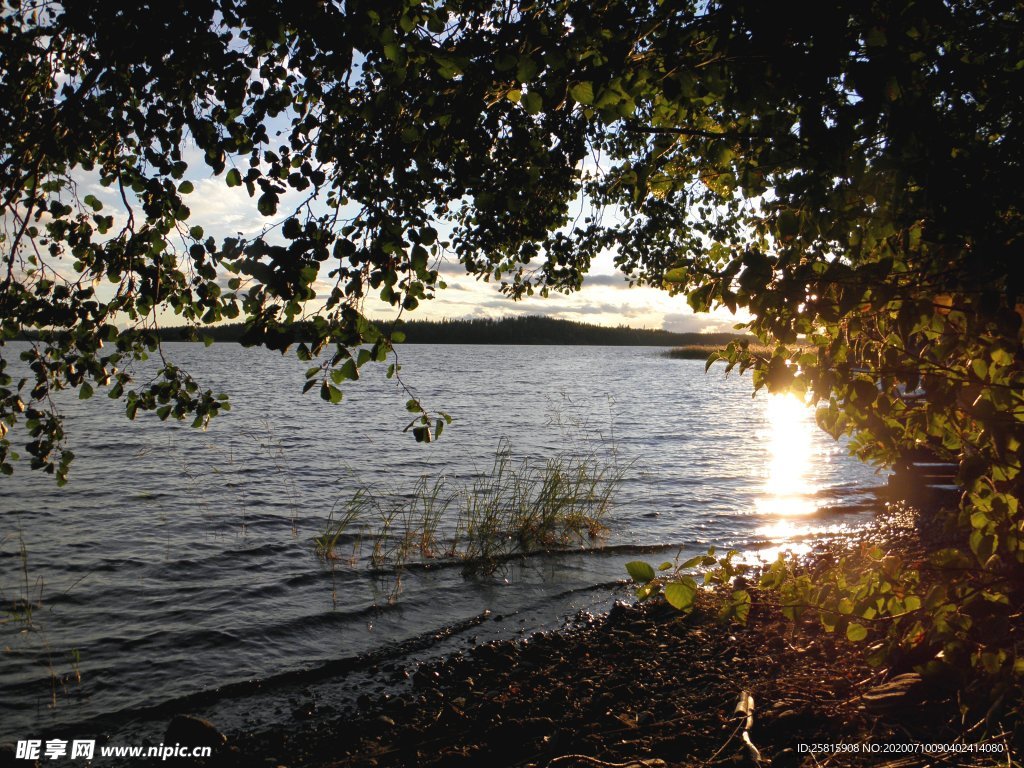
(605, 299)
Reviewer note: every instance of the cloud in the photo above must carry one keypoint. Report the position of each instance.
(451, 268)
(688, 322)
(616, 280)
(554, 308)
(608, 281)
(224, 211)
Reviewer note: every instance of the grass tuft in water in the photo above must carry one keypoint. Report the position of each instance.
(326, 544)
(519, 506)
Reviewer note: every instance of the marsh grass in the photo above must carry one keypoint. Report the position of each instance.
(523, 506)
(19, 608)
(704, 351)
(339, 522)
(23, 608)
(517, 507)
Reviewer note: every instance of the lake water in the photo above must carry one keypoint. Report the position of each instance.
(176, 570)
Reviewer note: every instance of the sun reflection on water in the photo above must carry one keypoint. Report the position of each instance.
(789, 497)
(788, 490)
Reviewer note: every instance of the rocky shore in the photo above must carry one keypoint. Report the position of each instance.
(642, 686)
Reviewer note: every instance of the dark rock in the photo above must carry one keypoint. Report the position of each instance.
(192, 731)
(424, 677)
(8, 756)
(618, 612)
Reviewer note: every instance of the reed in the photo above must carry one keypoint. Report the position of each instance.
(517, 507)
(704, 351)
(338, 522)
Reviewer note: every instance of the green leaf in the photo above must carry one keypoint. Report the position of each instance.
(234, 178)
(85, 392)
(330, 394)
(267, 203)
(741, 605)
(856, 632)
(676, 276)
(680, 595)
(640, 571)
(532, 102)
(980, 368)
(863, 392)
(582, 92)
(788, 225)
(526, 70)
(186, 188)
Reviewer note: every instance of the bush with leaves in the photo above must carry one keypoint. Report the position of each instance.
(678, 583)
(941, 615)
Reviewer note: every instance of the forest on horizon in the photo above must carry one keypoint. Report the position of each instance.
(529, 329)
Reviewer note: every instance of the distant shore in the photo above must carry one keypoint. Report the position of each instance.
(528, 330)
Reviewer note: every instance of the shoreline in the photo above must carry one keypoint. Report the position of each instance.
(641, 686)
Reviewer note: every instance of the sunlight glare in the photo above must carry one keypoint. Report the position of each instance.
(788, 490)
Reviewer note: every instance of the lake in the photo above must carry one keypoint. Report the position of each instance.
(177, 571)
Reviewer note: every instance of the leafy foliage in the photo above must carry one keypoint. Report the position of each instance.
(678, 582)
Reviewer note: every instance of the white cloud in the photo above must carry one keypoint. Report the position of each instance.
(693, 322)
(605, 301)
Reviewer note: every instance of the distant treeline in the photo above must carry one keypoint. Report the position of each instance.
(531, 329)
(535, 329)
